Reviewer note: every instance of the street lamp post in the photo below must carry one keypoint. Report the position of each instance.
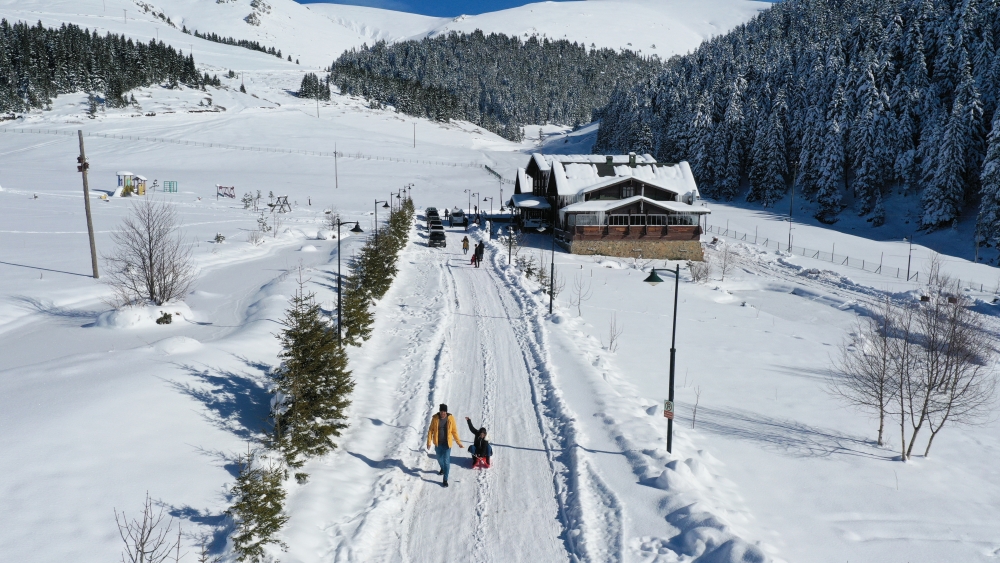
(385, 206)
(356, 229)
(653, 280)
(491, 203)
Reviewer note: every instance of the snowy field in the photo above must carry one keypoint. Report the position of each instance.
(99, 408)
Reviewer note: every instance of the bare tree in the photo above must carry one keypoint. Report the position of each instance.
(700, 271)
(865, 365)
(727, 263)
(332, 218)
(580, 293)
(958, 383)
(614, 331)
(146, 538)
(150, 261)
(904, 365)
(697, 399)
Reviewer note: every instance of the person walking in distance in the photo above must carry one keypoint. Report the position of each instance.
(443, 433)
(465, 245)
(481, 449)
(480, 250)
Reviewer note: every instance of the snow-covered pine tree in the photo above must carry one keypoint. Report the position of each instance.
(830, 178)
(943, 198)
(768, 160)
(988, 227)
(257, 510)
(357, 316)
(312, 386)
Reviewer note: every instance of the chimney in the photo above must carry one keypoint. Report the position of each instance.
(631, 159)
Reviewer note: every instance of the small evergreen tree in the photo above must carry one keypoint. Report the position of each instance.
(357, 316)
(312, 386)
(257, 510)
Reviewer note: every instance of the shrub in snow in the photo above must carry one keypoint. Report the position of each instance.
(219, 238)
(165, 319)
(150, 261)
(700, 271)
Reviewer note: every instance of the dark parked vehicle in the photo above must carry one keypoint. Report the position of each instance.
(435, 223)
(437, 238)
(430, 211)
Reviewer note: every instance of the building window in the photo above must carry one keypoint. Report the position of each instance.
(583, 219)
(682, 219)
(656, 220)
(618, 220)
(627, 191)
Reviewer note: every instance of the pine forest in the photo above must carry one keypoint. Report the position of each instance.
(848, 102)
(39, 63)
(496, 81)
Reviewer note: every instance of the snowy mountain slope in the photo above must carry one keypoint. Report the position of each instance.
(283, 24)
(655, 27)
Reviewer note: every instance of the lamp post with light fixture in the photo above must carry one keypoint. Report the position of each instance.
(654, 280)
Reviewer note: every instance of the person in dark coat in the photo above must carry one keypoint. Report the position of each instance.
(481, 448)
(480, 250)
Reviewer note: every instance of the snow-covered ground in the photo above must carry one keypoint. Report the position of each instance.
(97, 409)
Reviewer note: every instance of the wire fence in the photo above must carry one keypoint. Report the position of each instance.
(330, 154)
(871, 266)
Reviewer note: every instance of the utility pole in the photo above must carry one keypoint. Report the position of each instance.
(414, 134)
(82, 168)
(317, 107)
(336, 181)
(125, 16)
(791, 202)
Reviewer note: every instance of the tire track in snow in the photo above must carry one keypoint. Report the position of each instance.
(590, 512)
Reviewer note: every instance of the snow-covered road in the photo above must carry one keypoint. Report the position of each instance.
(476, 345)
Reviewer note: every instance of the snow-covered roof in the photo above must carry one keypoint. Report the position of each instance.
(143, 178)
(544, 161)
(125, 174)
(605, 205)
(528, 201)
(522, 179)
(579, 178)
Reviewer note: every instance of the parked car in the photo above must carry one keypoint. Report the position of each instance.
(435, 223)
(458, 218)
(437, 238)
(430, 211)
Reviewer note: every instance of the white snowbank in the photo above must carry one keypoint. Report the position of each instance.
(143, 316)
(308, 248)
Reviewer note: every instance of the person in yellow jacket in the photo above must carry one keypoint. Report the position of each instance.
(443, 433)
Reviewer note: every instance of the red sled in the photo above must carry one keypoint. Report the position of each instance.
(480, 463)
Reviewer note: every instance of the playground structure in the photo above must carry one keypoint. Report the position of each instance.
(225, 191)
(281, 205)
(130, 184)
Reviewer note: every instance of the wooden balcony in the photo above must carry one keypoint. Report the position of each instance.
(636, 232)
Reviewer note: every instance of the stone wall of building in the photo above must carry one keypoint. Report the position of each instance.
(649, 249)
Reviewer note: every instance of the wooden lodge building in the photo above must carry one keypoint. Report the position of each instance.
(613, 205)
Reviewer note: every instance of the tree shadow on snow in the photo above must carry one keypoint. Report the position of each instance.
(52, 310)
(235, 401)
(791, 437)
(211, 529)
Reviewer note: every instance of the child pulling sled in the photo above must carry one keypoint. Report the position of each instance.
(481, 449)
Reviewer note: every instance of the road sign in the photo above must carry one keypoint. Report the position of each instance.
(668, 410)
